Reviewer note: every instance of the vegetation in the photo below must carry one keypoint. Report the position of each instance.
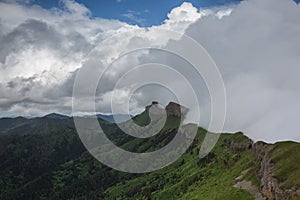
(286, 157)
(48, 161)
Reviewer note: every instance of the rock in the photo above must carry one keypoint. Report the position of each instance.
(155, 109)
(246, 185)
(270, 186)
(240, 146)
(174, 109)
(258, 148)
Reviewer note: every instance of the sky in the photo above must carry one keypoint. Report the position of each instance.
(255, 45)
(142, 13)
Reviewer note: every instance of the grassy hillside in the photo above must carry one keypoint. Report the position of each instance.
(191, 178)
(286, 157)
(49, 162)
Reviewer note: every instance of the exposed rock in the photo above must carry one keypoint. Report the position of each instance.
(174, 109)
(270, 186)
(258, 149)
(154, 108)
(240, 146)
(241, 176)
(246, 185)
(154, 104)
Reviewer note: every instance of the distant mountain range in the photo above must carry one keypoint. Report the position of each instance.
(110, 118)
(115, 118)
(119, 118)
(56, 116)
(43, 158)
(49, 123)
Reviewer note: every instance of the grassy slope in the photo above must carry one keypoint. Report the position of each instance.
(286, 157)
(190, 178)
(187, 178)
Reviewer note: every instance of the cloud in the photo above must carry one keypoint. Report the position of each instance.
(257, 50)
(134, 16)
(255, 45)
(184, 15)
(40, 49)
(75, 8)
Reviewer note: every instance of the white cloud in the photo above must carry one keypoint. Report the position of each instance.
(181, 17)
(41, 48)
(75, 8)
(255, 44)
(134, 16)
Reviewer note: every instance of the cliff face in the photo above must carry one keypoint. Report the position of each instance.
(172, 109)
(270, 186)
(240, 146)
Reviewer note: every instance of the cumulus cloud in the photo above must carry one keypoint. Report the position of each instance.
(255, 45)
(41, 48)
(181, 17)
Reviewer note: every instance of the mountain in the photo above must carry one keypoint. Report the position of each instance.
(47, 124)
(43, 158)
(119, 118)
(51, 123)
(56, 116)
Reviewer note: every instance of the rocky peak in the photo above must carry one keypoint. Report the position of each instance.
(172, 109)
(154, 104)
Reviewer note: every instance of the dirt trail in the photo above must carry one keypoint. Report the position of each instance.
(247, 185)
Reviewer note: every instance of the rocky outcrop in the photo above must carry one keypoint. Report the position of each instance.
(247, 185)
(172, 109)
(155, 108)
(270, 186)
(153, 104)
(240, 146)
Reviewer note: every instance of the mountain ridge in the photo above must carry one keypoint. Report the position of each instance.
(46, 159)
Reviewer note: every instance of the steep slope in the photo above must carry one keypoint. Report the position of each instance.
(43, 158)
(278, 169)
(193, 178)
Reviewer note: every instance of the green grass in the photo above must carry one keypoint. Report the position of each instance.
(189, 178)
(286, 157)
(64, 170)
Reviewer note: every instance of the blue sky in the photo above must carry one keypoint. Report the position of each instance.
(140, 12)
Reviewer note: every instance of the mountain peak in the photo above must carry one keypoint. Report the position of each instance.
(172, 109)
(175, 109)
(55, 116)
